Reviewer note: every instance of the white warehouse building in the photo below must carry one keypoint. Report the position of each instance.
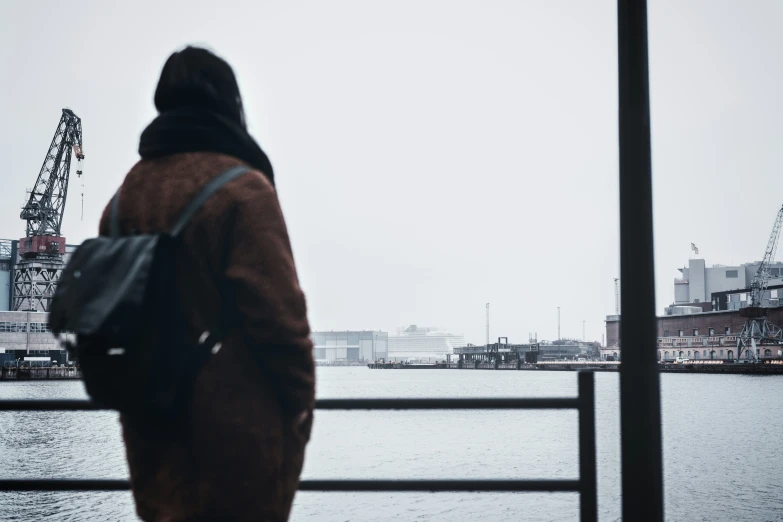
(349, 346)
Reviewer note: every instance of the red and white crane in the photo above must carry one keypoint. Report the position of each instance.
(43, 247)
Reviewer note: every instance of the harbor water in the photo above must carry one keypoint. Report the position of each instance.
(721, 438)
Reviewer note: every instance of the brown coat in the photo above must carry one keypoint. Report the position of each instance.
(238, 453)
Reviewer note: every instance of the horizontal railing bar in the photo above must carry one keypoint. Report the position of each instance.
(440, 485)
(318, 485)
(449, 404)
(342, 404)
(64, 485)
(47, 405)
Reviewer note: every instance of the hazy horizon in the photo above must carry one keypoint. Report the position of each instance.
(431, 156)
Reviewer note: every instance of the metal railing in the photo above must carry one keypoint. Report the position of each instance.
(585, 485)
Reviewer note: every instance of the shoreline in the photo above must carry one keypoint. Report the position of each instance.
(597, 366)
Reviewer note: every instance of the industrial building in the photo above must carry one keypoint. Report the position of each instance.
(534, 351)
(30, 268)
(719, 312)
(566, 349)
(350, 346)
(10, 280)
(740, 298)
(24, 335)
(699, 282)
(423, 344)
(703, 335)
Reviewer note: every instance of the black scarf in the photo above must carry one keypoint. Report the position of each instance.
(197, 130)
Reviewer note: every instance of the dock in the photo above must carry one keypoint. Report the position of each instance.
(39, 373)
(525, 357)
(763, 368)
(483, 365)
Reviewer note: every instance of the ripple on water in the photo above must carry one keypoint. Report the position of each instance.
(720, 449)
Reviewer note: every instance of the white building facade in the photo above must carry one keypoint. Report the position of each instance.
(699, 281)
(25, 335)
(349, 346)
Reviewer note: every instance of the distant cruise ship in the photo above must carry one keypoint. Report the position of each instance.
(425, 344)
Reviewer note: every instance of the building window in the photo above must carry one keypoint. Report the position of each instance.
(695, 332)
(666, 333)
(39, 328)
(680, 333)
(767, 353)
(13, 327)
(727, 330)
(732, 274)
(712, 331)
(721, 354)
(689, 353)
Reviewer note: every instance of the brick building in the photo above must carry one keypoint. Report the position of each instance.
(708, 335)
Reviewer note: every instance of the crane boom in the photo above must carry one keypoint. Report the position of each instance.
(45, 207)
(761, 279)
(42, 250)
(758, 330)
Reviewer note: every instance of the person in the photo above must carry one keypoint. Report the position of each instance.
(238, 450)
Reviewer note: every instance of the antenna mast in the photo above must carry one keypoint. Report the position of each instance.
(487, 325)
(558, 323)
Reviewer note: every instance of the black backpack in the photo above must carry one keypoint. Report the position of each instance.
(116, 311)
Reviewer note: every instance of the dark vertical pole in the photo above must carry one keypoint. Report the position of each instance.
(640, 402)
(588, 492)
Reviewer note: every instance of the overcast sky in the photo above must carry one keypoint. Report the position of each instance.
(431, 156)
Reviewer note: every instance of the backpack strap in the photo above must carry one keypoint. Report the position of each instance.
(204, 195)
(210, 341)
(114, 220)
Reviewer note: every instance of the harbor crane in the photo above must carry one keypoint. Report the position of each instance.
(758, 330)
(42, 250)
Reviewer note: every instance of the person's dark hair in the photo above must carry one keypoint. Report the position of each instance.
(197, 78)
